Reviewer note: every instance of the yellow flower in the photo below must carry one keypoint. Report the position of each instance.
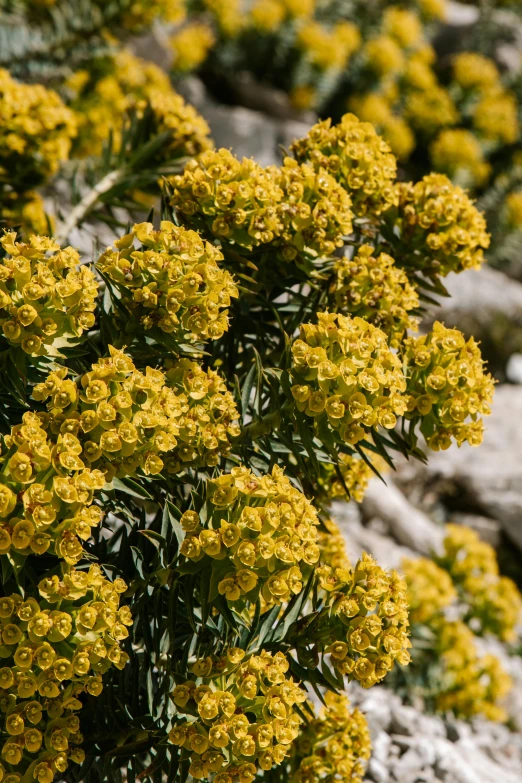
(472, 70)
(513, 208)
(173, 282)
(372, 287)
(191, 45)
(45, 295)
(355, 381)
(263, 534)
(384, 56)
(495, 117)
(403, 25)
(441, 230)
(357, 157)
(457, 153)
(448, 389)
(329, 48)
(430, 589)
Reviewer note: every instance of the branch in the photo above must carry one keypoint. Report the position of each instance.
(82, 209)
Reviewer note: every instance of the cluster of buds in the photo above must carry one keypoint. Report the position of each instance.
(346, 377)
(329, 48)
(261, 533)
(364, 622)
(371, 286)
(492, 602)
(332, 546)
(113, 421)
(45, 297)
(357, 157)
(172, 283)
(430, 589)
(441, 230)
(50, 656)
(470, 684)
(447, 388)
(36, 132)
(299, 209)
(244, 715)
(334, 747)
(350, 485)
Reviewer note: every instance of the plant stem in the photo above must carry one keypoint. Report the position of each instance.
(82, 209)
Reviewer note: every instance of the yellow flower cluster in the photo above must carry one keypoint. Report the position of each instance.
(116, 85)
(430, 589)
(36, 131)
(376, 109)
(384, 56)
(403, 26)
(297, 208)
(191, 45)
(496, 117)
(113, 421)
(355, 473)
(458, 153)
(357, 157)
(227, 15)
(267, 15)
(471, 685)
(365, 620)
(25, 211)
(430, 109)
(100, 95)
(172, 283)
(50, 656)
(441, 230)
(369, 285)
(491, 600)
(242, 715)
(261, 534)
(335, 746)
(473, 71)
(346, 377)
(329, 48)
(46, 298)
(142, 13)
(332, 546)
(513, 209)
(447, 386)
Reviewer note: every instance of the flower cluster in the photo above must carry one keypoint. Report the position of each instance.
(46, 298)
(357, 157)
(374, 108)
(173, 283)
(441, 230)
(101, 94)
(113, 86)
(332, 546)
(470, 684)
(370, 285)
(496, 117)
(244, 715)
(458, 153)
(492, 601)
(50, 656)
(25, 211)
(364, 624)
(430, 589)
(355, 474)
(329, 48)
(448, 389)
(346, 377)
(36, 131)
(191, 45)
(114, 421)
(513, 209)
(260, 536)
(297, 208)
(335, 746)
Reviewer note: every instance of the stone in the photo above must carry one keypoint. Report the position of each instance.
(514, 368)
(407, 525)
(377, 771)
(404, 720)
(489, 477)
(487, 304)
(381, 743)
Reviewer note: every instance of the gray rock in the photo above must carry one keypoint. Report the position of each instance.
(407, 525)
(404, 720)
(377, 771)
(381, 743)
(490, 475)
(514, 368)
